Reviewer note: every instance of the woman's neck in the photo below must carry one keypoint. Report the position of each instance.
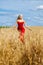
(20, 20)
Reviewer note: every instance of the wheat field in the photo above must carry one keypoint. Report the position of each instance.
(14, 52)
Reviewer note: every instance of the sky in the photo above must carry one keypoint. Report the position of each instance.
(32, 11)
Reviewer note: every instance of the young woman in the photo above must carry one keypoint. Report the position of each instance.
(21, 28)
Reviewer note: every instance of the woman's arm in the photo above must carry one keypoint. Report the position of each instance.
(15, 24)
(27, 26)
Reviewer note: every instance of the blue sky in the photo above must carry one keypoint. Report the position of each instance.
(32, 11)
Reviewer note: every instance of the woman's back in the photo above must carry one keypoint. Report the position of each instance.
(20, 24)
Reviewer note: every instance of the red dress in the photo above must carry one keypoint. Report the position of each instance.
(22, 30)
(21, 27)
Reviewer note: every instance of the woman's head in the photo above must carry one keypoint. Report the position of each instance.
(20, 17)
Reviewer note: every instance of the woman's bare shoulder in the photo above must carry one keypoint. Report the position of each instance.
(20, 21)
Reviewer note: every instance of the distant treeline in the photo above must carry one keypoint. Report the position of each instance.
(5, 26)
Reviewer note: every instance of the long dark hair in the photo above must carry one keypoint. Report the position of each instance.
(19, 17)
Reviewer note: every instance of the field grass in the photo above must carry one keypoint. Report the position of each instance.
(14, 52)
